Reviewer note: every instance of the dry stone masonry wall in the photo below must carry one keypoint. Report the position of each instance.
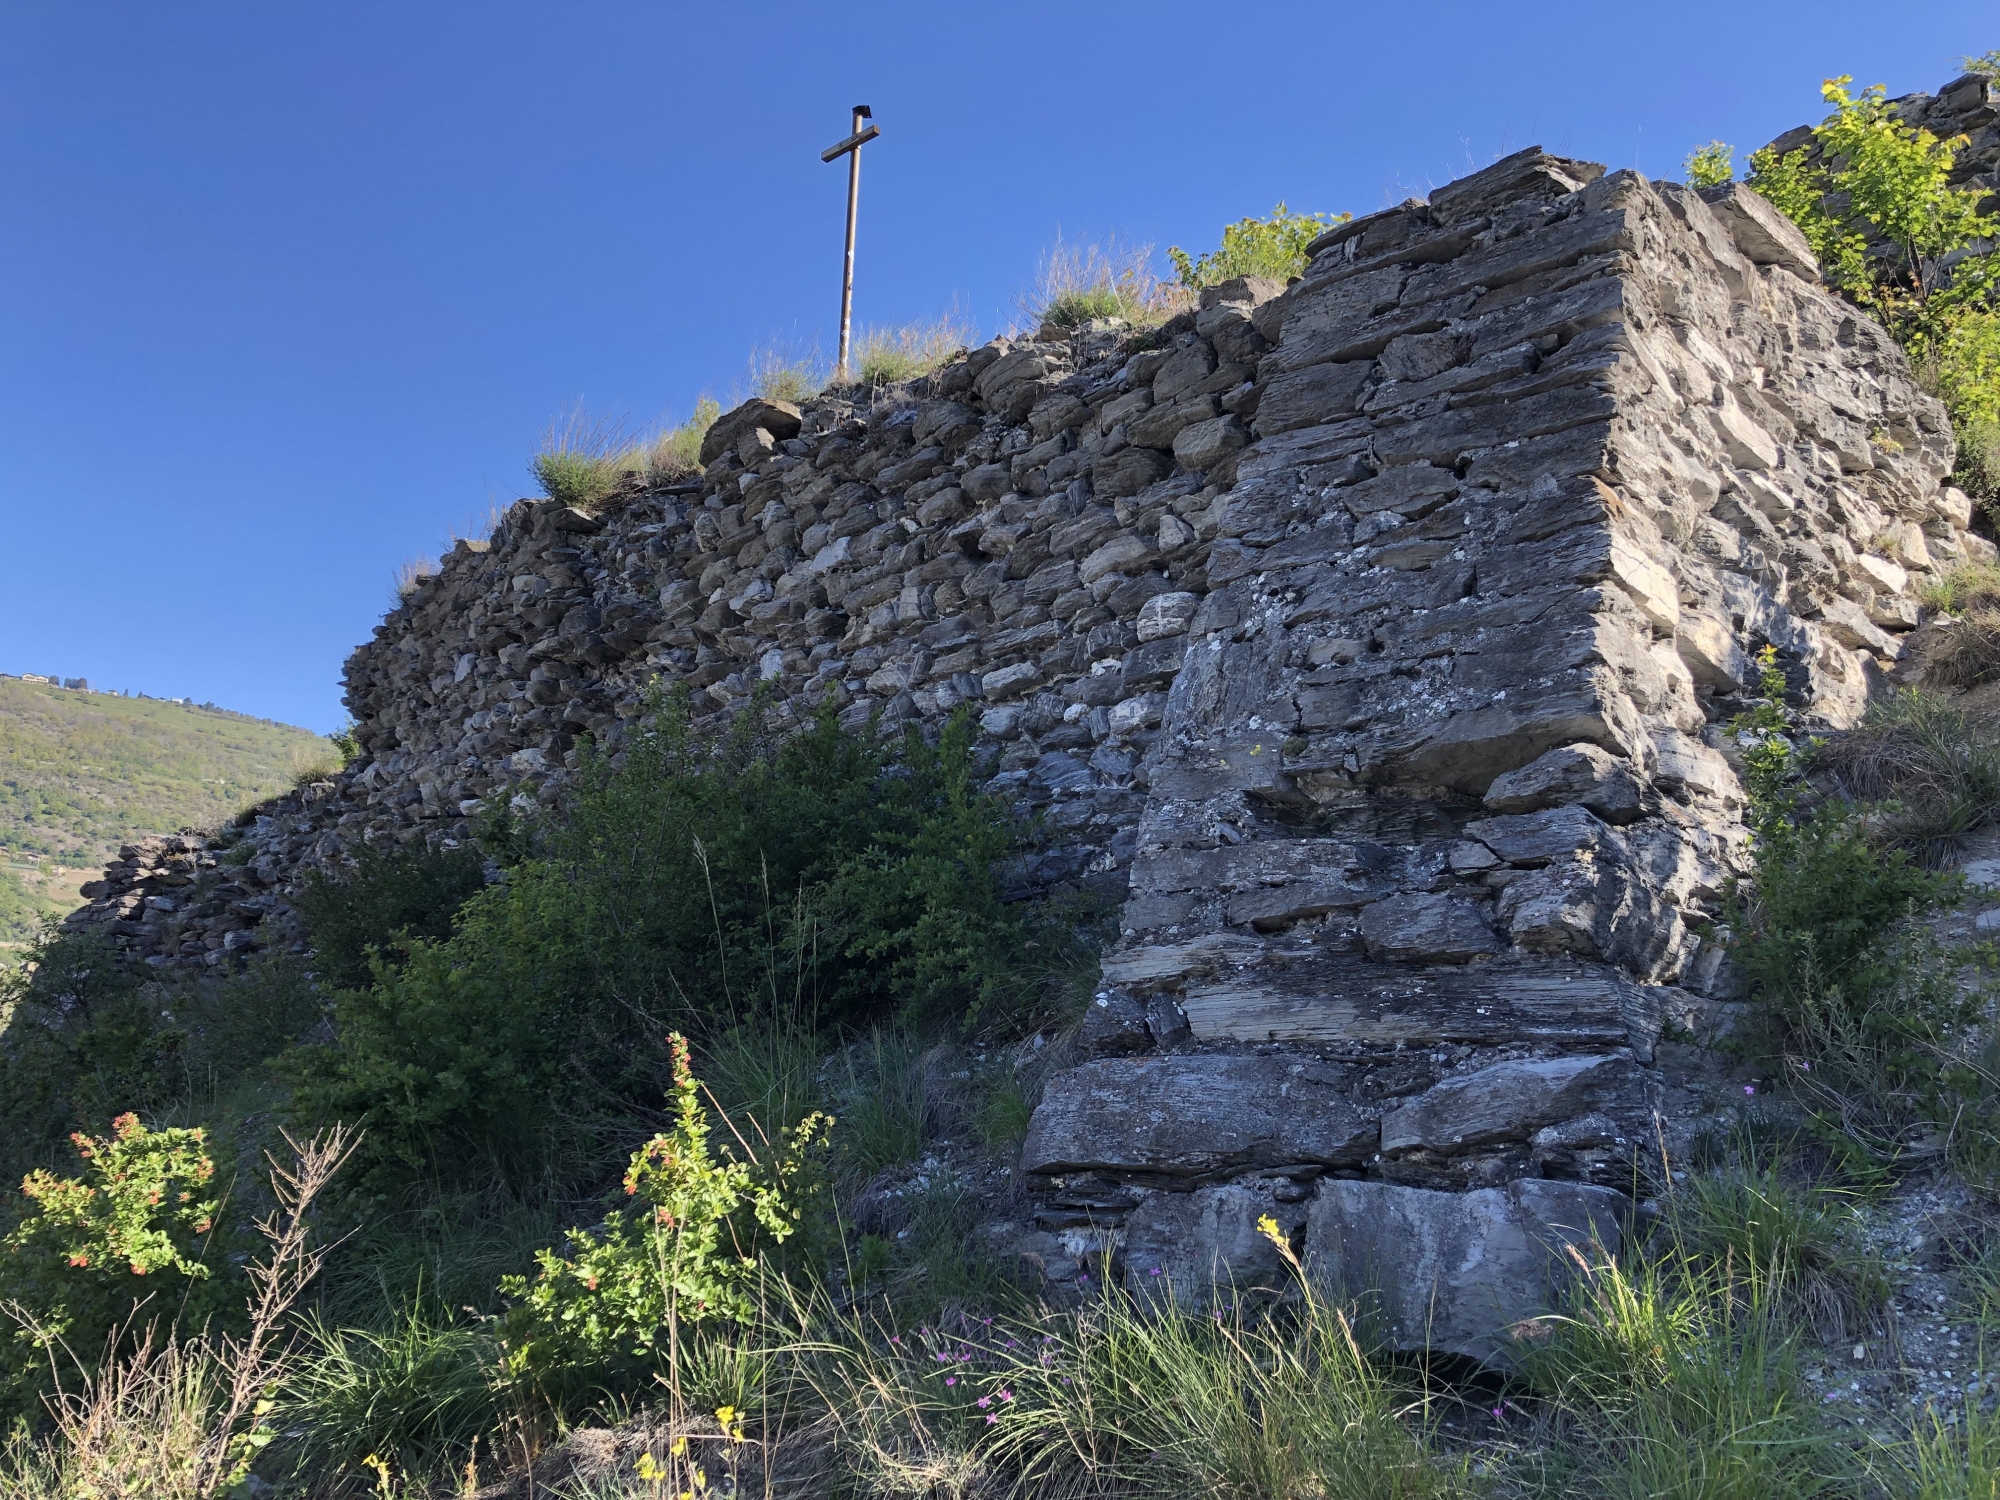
(1369, 638)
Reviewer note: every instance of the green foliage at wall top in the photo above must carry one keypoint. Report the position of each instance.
(1273, 247)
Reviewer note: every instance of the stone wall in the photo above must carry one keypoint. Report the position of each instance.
(1370, 638)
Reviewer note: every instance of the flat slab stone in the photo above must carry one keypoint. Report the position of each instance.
(1456, 1273)
(1197, 1115)
(1322, 998)
(1509, 1101)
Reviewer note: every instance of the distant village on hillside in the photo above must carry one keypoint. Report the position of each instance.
(82, 685)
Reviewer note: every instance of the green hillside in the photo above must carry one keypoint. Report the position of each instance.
(82, 773)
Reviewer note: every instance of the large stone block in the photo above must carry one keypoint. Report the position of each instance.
(1205, 1246)
(1457, 1273)
(1197, 1115)
(1509, 1101)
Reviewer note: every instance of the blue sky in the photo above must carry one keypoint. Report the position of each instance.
(288, 293)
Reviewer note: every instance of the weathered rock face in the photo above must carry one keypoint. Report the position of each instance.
(1367, 637)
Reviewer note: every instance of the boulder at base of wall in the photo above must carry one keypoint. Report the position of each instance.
(1457, 1273)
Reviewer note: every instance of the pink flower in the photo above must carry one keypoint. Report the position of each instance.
(951, 1380)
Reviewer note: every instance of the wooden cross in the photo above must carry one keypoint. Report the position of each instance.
(851, 149)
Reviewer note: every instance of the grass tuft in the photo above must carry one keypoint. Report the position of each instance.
(1967, 651)
(1081, 283)
(890, 356)
(1930, 769)
(785, 375)
(412, 576)
(587, 461)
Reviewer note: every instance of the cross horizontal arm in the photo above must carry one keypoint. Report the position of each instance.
(852, 143)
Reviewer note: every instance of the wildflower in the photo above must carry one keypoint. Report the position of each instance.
(983, 1402)
(1005, 1394)
(951, 1380)
(991, 1419)
(1749, 1088)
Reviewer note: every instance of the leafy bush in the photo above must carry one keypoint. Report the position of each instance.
(700, 887)
(389, 899)
(1273, 247)
(143, 1207)
(82, 1043)
(683, 1255)
(1710, 165)
(1878, 173)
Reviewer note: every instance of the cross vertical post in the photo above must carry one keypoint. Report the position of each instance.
(862, 133)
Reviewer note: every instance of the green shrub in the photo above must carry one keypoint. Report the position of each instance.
(143, 1208)
(1880, 174)
(1710, 165)
(684, 1254)
(1273, 247)
(82, 1043)
(1865, 1004)
(389, 899)
(695, 886)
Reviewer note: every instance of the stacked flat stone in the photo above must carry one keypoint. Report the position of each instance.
(1369, 638)
(171, 902)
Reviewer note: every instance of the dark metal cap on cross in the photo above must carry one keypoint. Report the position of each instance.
(850, 148)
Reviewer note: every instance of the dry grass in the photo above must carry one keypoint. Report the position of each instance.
(312, 763)
(786, 374)
(890, 356)
(1931, 767)
(1965, 651)
(411, 576)
(139, 1431)
(1077, 283)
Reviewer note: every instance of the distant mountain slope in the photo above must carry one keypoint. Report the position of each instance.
(82, 773)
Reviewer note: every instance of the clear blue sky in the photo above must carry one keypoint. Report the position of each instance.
(288, 292)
